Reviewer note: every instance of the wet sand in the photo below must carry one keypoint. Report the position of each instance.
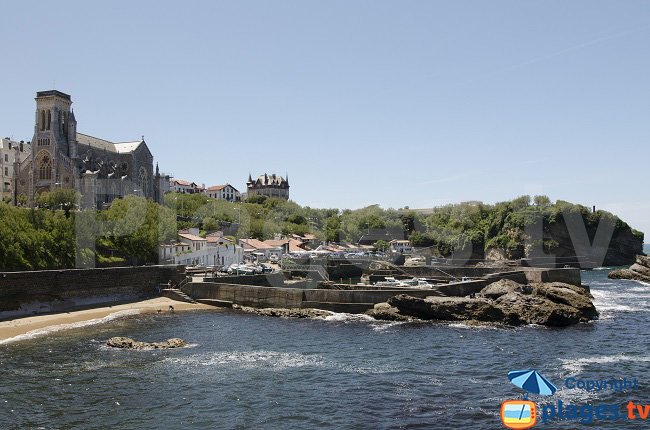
(21, 326)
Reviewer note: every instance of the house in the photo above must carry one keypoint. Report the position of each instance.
(192, 249)
(260, 251)
(223, 192)
(12, 153)
(269, 186)
(217, 238)
(182, 186)
(401, 246)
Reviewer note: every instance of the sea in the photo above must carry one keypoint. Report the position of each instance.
(243, 371)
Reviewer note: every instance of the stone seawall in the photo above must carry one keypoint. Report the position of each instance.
(43, 291)
(274, 297)
(358, 300)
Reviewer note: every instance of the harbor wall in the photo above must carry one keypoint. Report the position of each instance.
(273, 297)
(344, 300)
(44, 291)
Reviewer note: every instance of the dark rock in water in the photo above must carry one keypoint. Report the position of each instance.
(286, 313)
(447, 308)
(507, 302)
(128, 343)
(639, 271)
(529, 309)
(386, 312)
(568, 295)
(501, 288)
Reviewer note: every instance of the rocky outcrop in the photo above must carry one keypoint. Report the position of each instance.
(504, 302)
(639, 271)
(285, 313)
(447, 308)
(128, 343)
(386, 312)
(501, 288)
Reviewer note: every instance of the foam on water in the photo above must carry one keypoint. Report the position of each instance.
(576, 366)
(347, 318)
(267, 360)
(60, 327)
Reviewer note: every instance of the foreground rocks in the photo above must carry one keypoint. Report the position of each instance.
(639, 271)
(504, 302)
(285, 313)
(128, 343)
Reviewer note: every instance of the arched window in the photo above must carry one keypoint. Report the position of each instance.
(45, 167)
(49, 119)
(143, 181)
(42, 124)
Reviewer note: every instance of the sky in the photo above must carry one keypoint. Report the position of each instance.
(397, 103)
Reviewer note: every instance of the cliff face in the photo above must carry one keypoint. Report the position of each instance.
(571, 236)
(620, 250)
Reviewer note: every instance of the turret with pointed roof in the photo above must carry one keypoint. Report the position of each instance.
(270, 185)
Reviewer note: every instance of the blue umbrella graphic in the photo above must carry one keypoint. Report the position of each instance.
(532, 381)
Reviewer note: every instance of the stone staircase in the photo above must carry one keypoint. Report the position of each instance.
(177, 295)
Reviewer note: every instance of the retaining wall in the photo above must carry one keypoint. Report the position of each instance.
(43, 291)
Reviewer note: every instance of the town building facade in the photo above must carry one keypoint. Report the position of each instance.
(61, 157)
(268, 185)
(223, 192)
(11, 152)
(192, 249)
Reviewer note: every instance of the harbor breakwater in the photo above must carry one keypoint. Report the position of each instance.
(359, 300)
(45, 291)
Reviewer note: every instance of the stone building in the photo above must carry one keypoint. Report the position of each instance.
(61, 157)
(268, 185)
(11, 152)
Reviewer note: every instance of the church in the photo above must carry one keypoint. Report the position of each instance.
(98, 169)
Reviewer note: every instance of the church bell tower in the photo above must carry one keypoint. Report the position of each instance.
(54, 141)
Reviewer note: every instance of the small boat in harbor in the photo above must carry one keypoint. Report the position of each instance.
(404, 283)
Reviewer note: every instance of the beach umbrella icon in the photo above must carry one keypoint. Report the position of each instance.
(532, 381)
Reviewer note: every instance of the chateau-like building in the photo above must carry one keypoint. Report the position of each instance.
(268, 185)
(61, 157)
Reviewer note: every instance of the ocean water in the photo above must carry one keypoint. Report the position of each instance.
(342, 372)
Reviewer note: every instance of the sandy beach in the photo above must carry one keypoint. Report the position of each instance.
(24, 326)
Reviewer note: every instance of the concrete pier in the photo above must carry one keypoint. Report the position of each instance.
(358, 300)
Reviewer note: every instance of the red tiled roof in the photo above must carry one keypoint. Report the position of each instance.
(183, 182)
(191, 237)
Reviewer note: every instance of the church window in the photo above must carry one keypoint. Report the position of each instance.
(45, 168)
(49, 119)
(42, 120)
(143, 181)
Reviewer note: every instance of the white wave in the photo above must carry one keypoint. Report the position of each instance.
(467, 326)
(576, 395)
(271, 360)
(60, 327)
(602, 268)
(345, 317)
(575, 366)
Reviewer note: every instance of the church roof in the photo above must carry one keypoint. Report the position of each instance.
(105, 145)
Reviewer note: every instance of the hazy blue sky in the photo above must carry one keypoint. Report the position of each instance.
(415, 103)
